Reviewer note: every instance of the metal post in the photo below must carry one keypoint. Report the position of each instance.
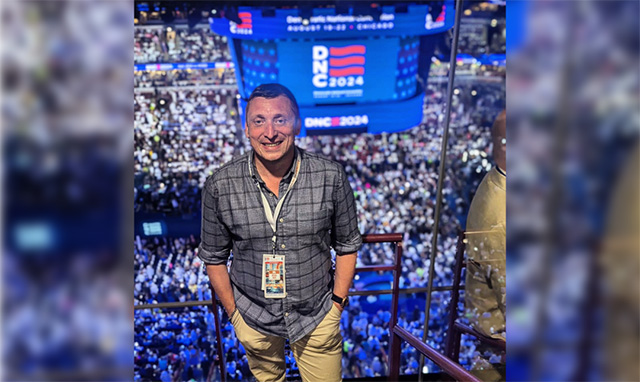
(394, 343)
(448, 366)
(214, 306)
(452, 333)
(443, 157)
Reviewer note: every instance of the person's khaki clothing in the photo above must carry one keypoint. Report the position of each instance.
(485, 290)
(318, 354)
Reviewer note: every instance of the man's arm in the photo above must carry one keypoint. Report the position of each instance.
(215, 246)
(219, 278)
(345, 269)
(346, 239)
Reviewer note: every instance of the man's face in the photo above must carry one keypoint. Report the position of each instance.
(271, 127)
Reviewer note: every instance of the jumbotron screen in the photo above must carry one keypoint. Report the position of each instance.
(349, 73)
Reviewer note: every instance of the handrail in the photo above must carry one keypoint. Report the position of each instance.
(452, 347)
(382, 238)
(449, 366)
(186, 304)
(495, 342)
(220, 355)
(172, 305)
(394, 343)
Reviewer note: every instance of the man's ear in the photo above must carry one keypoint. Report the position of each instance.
(298, 126)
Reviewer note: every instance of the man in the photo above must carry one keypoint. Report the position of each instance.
(486, 238)
(280, 209)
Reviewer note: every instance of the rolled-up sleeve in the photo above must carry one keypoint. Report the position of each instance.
(345, 235)
(215, 239)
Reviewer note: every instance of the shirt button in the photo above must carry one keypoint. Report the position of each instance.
(281, 220)
(286, 314)
(282, 246)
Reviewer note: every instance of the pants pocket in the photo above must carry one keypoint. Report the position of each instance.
(335, 311)
(234, 317)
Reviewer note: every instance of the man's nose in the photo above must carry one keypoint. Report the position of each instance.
(270, 130)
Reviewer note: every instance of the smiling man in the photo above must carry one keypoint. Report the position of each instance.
(279, 210)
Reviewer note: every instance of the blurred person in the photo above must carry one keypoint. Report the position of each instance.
(281, 284)
(486, 244)
(620, 283)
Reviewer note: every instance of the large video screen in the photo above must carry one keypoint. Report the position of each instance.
(322, 72)
(349, 73)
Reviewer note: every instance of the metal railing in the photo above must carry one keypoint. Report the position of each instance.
(396, 268)
(452, 347)
(447, 362)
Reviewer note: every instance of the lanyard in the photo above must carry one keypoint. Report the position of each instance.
(273, 216)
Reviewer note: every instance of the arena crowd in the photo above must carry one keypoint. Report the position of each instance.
(164, 44)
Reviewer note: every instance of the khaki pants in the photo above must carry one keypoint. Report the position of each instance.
(318, 354)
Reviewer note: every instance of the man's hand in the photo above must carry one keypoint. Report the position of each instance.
(340, 308)
(230, 311)
(219, 278)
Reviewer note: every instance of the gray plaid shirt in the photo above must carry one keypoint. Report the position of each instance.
(318, 213)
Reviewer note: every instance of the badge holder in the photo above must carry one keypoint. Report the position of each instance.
(273, 278)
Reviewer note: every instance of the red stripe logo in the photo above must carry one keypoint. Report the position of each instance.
(347, 50)
(347, 61)
(338, 66)
(353, 60)
(441, 15)
(246, 20)
(353, 71)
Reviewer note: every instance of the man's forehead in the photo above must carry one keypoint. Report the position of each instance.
(279, 101)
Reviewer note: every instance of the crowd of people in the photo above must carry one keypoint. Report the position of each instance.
(174, 345)
(480, 36)
(164, 44)
(152, 79)
(180, 137)
(171, 344)
(168, 270)
(472, 69)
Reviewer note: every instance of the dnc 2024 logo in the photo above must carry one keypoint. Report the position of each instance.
(338, 67)
(245, 28)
